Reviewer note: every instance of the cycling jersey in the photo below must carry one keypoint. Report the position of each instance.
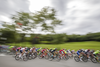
(37, 49)
(96, 52)
(18, 48)
(14, 48)
(10, 47)
(61, 51)
(22, 49)
(43, 50)
(65, 52)
(69, 51)
(27, 49)
(87, 52)
(53, 50)
(79, 51)
(50, 50)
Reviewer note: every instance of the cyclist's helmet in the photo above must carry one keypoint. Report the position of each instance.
(88, 49)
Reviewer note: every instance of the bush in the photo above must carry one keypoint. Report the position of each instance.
(45, 42)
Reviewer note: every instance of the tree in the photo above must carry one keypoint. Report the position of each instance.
(59, 38)
(38, 19)
(8, 36)
(10, 27)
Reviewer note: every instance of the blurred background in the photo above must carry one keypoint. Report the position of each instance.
(71, 24)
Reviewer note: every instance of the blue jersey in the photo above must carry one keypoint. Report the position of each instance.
(37, 49)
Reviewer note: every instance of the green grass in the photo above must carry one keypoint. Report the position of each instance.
(71, 45)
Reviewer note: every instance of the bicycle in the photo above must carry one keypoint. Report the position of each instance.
(95, 60)
(19, 56)
(43, 55)
(83, 57)
(56, 57)
(65, 56)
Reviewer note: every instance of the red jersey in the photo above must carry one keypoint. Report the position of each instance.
(43, 50)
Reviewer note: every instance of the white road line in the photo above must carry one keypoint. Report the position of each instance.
(2, 55)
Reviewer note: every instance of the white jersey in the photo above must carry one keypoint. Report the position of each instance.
(69, 51)
(86, 50)
(22, 48)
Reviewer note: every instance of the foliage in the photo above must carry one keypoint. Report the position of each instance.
(59, 38)
(31, 21)
(10, 36)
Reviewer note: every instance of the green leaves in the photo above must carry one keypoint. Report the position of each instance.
(32, 20)
(56, 22)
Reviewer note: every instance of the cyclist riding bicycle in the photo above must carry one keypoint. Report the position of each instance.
(54, 51)
(11, 48)
(80, 52)
(62, 52)
(18, 50)
(91, 53)
(96, 54)
(88, 53)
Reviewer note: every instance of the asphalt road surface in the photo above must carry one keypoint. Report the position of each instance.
(9, 61)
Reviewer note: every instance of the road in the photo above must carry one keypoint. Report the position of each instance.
(9, 61)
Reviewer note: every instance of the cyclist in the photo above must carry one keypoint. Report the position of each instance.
(14, 49)
(43, 50)
(73, 51)
(38, 49)
(88, 53)
(80, 52)
(50, 50)
(18, 50)
(91, 53)
(54, 51)
(22, 50)
(61, 52)
(96, 54)
(11, 48)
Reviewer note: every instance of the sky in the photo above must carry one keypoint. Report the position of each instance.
(78, 16)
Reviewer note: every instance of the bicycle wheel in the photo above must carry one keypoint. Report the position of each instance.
(76, 58)
(25, 58)
(29, 56)
(85, 59)
(17, 57)
(66, 57)
(40, 56)
(94, 60)
(33, 56)
(58, 58)
(51, 57)
(47, 56)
